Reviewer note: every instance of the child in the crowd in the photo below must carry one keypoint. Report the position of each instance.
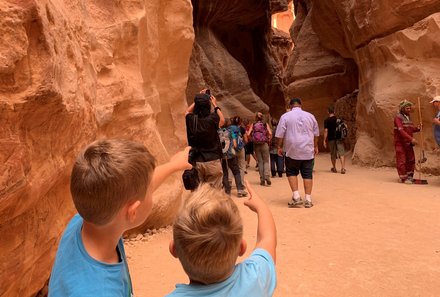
(112, 184)
(239, 132)
(208, 238)
(229, 143)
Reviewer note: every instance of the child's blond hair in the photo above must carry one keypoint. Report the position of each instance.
(207, 235)
(107, 175)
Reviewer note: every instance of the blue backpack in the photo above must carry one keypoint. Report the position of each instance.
(239, 138)
(240, 142)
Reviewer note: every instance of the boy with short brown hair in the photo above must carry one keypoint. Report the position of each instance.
(112, 184)
(208, 238)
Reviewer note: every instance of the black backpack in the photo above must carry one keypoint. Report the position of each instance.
(341, 129)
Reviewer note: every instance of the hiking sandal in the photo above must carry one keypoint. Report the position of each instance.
(343, 171)
(308, 204)
(295, 203)
(334, 170)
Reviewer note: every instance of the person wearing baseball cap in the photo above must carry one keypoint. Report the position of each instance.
(404, 142)
(436, 120)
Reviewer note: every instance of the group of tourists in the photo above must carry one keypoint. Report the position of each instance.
(221, 146)
(113, 182)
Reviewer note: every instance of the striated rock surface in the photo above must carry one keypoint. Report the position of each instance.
(72, 72)
(314, 73)
(281, 47)
(402, 65)
(232, 56)
(395, 47)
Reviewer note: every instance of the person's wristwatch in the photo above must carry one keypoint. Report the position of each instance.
(217, 108)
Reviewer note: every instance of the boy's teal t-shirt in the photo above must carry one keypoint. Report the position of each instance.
(75, 273)
(254, 277)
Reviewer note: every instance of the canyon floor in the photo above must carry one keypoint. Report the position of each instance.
(366, 235)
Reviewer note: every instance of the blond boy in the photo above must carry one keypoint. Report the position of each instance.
(208, 238)
(112, 184)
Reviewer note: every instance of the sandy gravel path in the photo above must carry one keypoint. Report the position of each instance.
(367, 235)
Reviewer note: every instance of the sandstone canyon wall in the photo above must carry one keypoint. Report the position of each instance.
(234, 57)
(395, 48)
(72, 72)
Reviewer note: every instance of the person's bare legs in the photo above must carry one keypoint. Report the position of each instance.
(334, 163)
(308, 184)
(342, 162)
(293, 183)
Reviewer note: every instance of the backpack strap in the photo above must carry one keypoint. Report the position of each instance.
(195, 121)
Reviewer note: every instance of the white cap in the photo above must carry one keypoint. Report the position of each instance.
(436, 99)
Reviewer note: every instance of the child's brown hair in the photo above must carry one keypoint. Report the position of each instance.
(207, 235)
(107, 175)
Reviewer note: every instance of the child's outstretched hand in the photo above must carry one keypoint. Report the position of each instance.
(180, 159)
(254, 201)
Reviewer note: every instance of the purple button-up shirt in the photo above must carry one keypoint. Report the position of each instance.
(298, 128)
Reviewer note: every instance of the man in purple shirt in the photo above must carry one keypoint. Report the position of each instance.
(297, 134)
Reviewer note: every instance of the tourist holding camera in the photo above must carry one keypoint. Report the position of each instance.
(201, 129)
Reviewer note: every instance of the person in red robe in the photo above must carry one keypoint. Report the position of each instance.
(404, 142)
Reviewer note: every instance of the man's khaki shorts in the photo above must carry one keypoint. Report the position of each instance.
(337, 149)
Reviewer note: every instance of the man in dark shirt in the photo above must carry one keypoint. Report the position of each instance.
(201, 127)
(335, 145)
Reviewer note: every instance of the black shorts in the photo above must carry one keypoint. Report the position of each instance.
(294, 167)
(249, 148)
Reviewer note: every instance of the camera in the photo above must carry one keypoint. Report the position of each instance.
(208, 92)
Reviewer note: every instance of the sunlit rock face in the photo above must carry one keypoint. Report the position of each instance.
(72, 72)
(401, 65)
(232, 56)
(282, 19)
(395, 46)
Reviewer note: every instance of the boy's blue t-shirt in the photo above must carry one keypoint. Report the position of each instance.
(75, 273)
(254, 277)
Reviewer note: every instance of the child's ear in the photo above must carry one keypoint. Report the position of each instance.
(172, 249)
(132, 210)
(243, 247)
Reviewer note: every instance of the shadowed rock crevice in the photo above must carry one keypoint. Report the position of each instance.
(316, 73)
(232, 56)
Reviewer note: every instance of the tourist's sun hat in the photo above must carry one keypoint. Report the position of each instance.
(436, 99)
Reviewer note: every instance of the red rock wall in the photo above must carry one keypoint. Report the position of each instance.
(395, 48)
(72, 72)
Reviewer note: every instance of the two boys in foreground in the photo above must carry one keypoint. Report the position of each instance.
(112, 185)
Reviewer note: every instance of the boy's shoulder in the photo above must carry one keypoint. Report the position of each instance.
(72, 227)
(255, 276)
(76, 273)
(260, 258)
